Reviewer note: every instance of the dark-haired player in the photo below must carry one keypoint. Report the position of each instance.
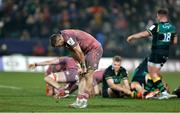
(61, 70)
(88, 51)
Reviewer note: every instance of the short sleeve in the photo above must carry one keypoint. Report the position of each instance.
(152, 29)
(107, 74)
(71, 41)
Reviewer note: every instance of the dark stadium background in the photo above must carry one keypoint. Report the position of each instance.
(25, 25)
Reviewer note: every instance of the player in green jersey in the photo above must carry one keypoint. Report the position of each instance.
(112, 77)
(163, 34)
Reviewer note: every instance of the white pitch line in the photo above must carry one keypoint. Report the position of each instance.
(10, 87)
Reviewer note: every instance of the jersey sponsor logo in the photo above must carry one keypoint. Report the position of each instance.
(70, 41)
(152, 27)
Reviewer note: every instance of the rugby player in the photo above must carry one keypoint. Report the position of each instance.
(88, 51)
(61, 70)
(163, 34)
(112, 78)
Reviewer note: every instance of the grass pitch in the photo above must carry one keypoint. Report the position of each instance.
(25, 92)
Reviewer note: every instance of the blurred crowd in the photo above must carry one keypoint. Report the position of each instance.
(110, 21)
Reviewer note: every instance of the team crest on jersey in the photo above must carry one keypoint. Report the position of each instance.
(70, 41)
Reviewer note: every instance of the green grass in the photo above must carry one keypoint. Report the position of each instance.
(28, 95)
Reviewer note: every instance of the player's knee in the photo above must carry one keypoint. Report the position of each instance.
(51, 76)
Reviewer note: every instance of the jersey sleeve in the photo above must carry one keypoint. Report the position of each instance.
(124, 73)
(107, 74)
(71, 41)
(152, 29)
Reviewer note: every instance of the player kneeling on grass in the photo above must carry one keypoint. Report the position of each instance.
(112, 78)
(65, 71)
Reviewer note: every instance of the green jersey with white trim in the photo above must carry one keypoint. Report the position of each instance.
(110, 74)
(163, 34)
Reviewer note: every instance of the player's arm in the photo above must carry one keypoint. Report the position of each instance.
(126, 83)
(80, 56)
(117, 86)
(125, 78)
(144, 34)
(175, 39)
(44, 63)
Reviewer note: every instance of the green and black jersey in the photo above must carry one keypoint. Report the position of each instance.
(140, 72)
(110, 74)
(163, 34)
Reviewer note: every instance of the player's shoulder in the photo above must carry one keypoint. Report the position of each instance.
(173, 26)
(122, 68)
(151, 27)
(109, 69)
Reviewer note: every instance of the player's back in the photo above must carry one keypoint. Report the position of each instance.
(86, 41)
(163, 37)
(69, 63)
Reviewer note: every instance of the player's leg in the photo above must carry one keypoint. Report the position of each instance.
(92, 62)
(49, 88)
(115, 94)
(86, 84)
(154, 66)
(97, 89)
(54, 78)
(51, 69)
(62, 77)
(139, 78)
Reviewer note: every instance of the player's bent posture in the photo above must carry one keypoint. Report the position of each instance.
(112, 78)
(164, 34)
(61, 70)
(88, 51)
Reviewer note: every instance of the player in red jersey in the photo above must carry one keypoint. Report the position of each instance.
(70, 87)
(61, 70)
(88, 51)
(97, 79)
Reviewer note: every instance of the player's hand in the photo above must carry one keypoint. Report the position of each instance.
(129, 39)
(32, 66)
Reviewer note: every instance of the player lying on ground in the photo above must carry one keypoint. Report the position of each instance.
(140, 80)
(112, 78)
(62, 70)
(70, 87)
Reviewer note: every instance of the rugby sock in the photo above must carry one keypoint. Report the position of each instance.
(158, 84)
(84, 96)
(149, 85)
